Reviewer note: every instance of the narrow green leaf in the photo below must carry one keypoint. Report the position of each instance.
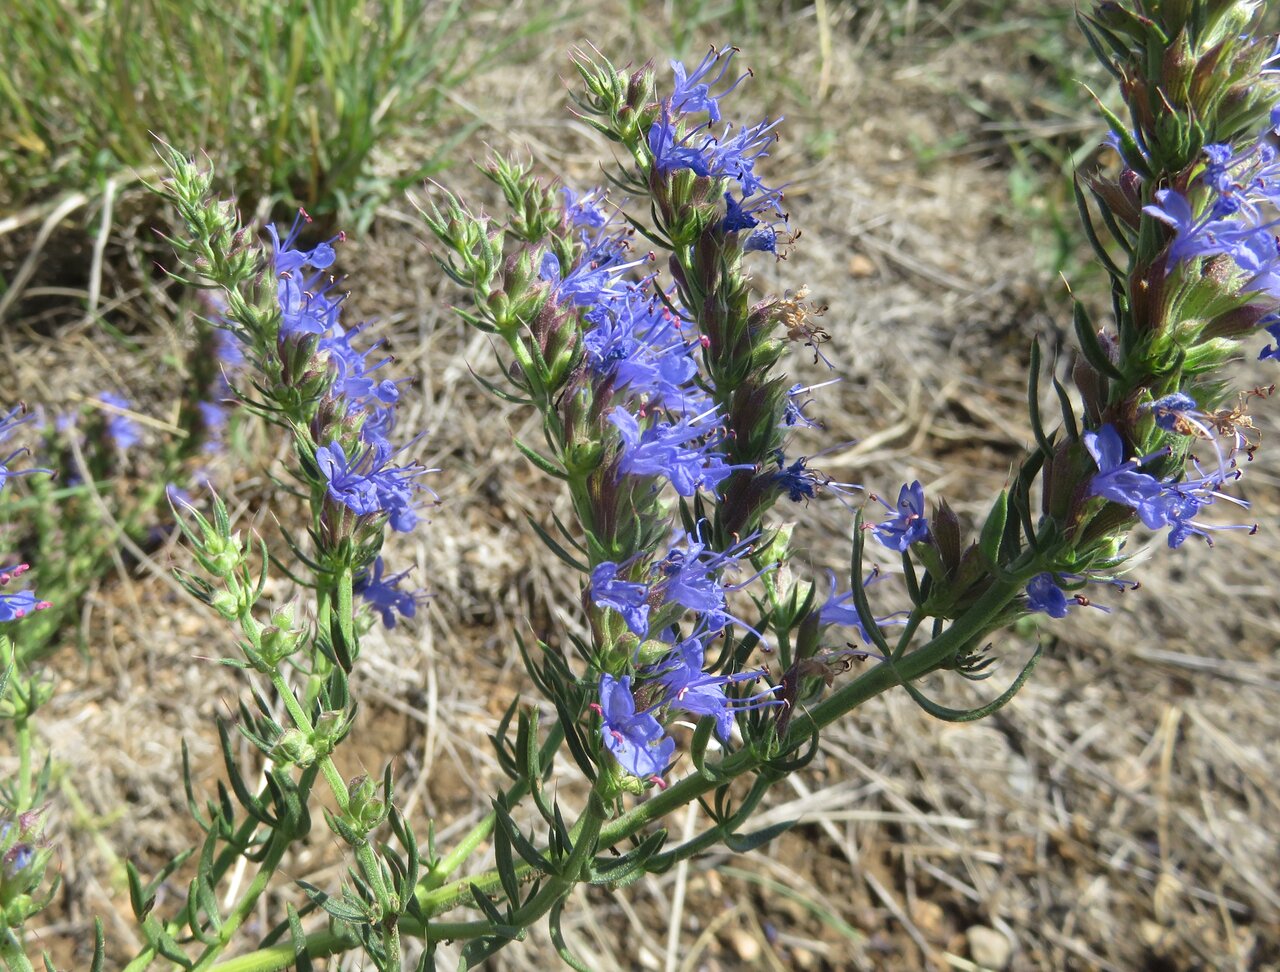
(99, 947)
(341, 909)
(698, 749)
(542, 462)
(557, 939)
(860, 601)
(948, 714)
(745, 843)
(485, 904)
(1068, 411)
(1033, 400)
(523, 846)
(504, 863)
(993, 529)
(139, 899)
(497, 392)
(298, 939)
(554, 546)
(1091, 233)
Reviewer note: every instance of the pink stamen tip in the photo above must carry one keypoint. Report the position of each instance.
(659, 781)
(41, 605)
(595, 707)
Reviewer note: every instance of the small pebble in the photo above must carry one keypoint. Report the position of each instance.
(745, 945)
(989, 948)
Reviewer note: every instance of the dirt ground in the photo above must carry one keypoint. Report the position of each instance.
(1119, 815)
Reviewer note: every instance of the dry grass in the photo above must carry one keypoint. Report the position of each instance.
(1119, 815)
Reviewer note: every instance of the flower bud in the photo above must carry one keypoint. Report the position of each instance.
(226, 604)
(279, 640)
(365, 809)
(294, 747)
(330, 727)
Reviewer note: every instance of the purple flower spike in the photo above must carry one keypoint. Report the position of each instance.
(671, 450)
(636, 739)
(908, 524)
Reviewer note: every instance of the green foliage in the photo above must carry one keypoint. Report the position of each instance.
(292, 98)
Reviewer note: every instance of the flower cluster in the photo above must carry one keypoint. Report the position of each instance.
(1159, 503)
(1232, 210)
(360, 474)
(679, 139)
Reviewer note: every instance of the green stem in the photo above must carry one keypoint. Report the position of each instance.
(319, 945)
(12, 954)
(303, 722)
(23, 798)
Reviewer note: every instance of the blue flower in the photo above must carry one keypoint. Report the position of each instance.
(1158, 503)
(690, 575)
(354, 380)
(626, 597)
(737, 216)
(584, 209)
(637, 341)
(368, 484)
(690, 689)
(672, 151)
(383, 594)
(693, 93)
(595, 277)
(636, 739)
(908, 524)
(793, 410)
(839, 608)
(1044, 594)
(1271, 324)
(762, 240)
(683, 452)
(731, 157)
(123, 431)
(305, 304)
(17, 604)
(286, 258)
